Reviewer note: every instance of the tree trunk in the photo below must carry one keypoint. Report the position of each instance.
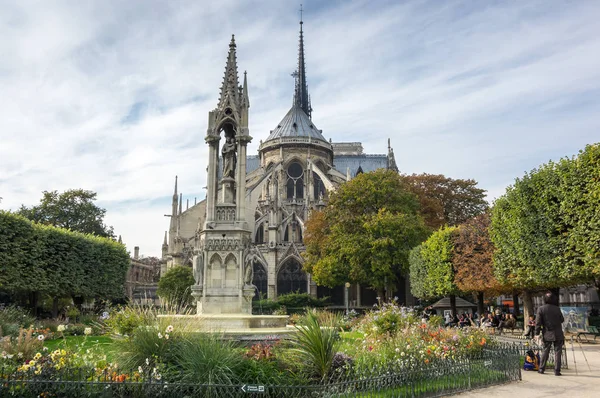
(516, 310)
(480, 304)
(380, 295)
(527, 307)
(33, 302)
(453, 304)
(54, 307)
(556, 292)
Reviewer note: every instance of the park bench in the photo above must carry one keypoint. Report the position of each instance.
(590, 331)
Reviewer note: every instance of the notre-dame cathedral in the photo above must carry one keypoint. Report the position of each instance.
(260, 222)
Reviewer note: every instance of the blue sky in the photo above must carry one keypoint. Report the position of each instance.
(113, 96)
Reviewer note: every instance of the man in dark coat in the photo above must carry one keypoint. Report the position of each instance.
(549, 321)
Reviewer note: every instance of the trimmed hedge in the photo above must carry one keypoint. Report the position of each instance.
(36, 258)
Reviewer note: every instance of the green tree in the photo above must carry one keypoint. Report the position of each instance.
(446, 201)
(546, 227)
(365, 233)
(472, 260)
(431, 270)
(175, 286)
(73, 209)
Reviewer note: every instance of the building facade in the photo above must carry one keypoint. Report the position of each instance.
(295, 170)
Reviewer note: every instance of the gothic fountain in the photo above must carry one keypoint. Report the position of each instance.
(223, 253)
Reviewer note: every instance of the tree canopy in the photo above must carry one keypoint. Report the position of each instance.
(446, 201)
(431, 270)
(73, 209)
(546, 227)
(365, 233)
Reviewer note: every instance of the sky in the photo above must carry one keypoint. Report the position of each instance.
(113, 96)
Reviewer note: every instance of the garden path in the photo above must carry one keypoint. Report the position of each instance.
(581, 384)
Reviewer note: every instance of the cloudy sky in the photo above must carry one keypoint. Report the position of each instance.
(113, 96)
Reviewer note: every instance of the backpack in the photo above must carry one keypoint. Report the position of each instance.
(532, 361)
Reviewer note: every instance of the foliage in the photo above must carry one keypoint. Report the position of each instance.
(472, 257)
(431, 272)
(38, 258)
(546, 227)
(23, 346)
(207, 358)
(124, 320)
(73, 209)
(13, 318)
(387, 319)
(315, 346)
(446, 201)
(175, 286)
(289, 303)
(148, 345)
(365, 234)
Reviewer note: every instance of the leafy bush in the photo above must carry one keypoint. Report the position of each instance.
(287, 304)
(175, 286)
(388, 318)
(124, 320)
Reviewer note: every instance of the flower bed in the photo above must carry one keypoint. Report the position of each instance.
(388, 350)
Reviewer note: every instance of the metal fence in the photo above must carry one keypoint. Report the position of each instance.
(493, 366)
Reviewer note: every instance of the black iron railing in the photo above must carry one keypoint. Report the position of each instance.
(492, 366)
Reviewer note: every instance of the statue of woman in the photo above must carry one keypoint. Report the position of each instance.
(249, 271)
(198, 270)
(229, 157)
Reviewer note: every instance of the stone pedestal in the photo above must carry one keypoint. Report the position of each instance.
(228, 185)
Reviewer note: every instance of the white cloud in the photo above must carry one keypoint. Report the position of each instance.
(113, 96)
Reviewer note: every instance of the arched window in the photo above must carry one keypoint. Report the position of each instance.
(291, 278)
(295, 182)
(260, 234)
(319, 187)
(260, 280)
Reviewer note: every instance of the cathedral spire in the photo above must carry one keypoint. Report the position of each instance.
(230, 86)
(245, 99)
(301, 98)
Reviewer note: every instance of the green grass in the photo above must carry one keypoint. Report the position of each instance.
(82, 343)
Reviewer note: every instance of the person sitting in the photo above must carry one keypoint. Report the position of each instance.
(530, 327)
(509, 323)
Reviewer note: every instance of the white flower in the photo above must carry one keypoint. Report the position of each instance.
(40, 337)
(140, 370)
(397, 349)
(9, 356)
(61, 328)
(20, 355)
(147, 361)
(45, 348)
(167, 336)
(160, 335)
(169, 329)
(87, 331)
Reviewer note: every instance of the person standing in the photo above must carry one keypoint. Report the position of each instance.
(549, 321)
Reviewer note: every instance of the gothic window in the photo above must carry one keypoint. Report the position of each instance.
(295, 182)
(260, 234)
(291, 278)
(319, 187)
(286, 236)
(260, 280)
